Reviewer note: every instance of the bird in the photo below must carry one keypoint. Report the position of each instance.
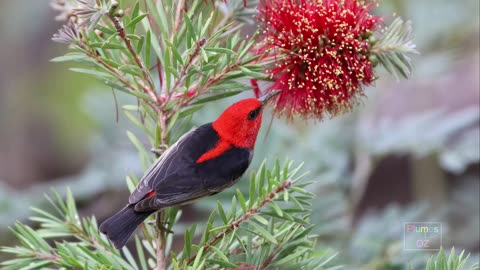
(203, 162)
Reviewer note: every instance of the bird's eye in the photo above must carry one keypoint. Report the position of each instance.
(253, 114)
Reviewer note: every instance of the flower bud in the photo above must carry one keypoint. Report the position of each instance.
(119, 13)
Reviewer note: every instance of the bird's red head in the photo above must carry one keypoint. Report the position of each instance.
(239, 124)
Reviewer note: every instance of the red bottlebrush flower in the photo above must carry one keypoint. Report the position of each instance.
(321, 53)
(256, 89)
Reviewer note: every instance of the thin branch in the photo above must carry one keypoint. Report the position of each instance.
(198, 45)
(97, 58)
(150, 90)
(160, 239)
(236, 223)
(53, 257)
(178, 16)
(198, 89)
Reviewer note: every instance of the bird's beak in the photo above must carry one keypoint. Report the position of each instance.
(268, 96)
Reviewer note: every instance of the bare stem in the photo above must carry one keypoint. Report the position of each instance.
(53, 258)
(160, 239)
(185, 68)
(236, 223)
(178, 16)
(160, 218)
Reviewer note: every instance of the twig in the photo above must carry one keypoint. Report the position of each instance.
(198, 45)
(47, 257)
(236, 223)
(80, 234)
(150, 90)
(178, 15)
(160, 238)
(160, 217)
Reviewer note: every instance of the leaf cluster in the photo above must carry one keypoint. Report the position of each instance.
(453, 262)
(268, 228)
(393, 49)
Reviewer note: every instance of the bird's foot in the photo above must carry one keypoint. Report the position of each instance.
(161, 227)
(162, 148)
(165, 229)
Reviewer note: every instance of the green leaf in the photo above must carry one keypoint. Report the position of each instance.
(251, 199)
(223, 264)
(136, 20)
(198, 257)
(105, 30)
(92, 72)
(140, 45)
(137, 94)
(159, 16)
(141, 253)
(148, 44)
(189, 111)
(175, 52)
(394, 48)
(276, 209)
(136, 9)
(241, 200)
(191, 32)
(140, 125)
(441, 260)
(258, 230)
(140, 147)
(131, 69)
(290, 257)
(216, 97)
(107, 45)
(219, 50)
(221, 212)
(69, 57)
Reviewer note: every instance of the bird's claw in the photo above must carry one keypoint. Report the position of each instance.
(161, 227)
(164, 229)
(160, 150)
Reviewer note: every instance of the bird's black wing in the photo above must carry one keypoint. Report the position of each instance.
(177, 158)
(198, 180)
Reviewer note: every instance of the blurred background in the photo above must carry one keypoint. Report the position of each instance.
(410, 152)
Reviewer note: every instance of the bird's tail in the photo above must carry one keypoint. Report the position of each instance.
(121, 226)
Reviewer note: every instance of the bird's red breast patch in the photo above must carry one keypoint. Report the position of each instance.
(220, 148)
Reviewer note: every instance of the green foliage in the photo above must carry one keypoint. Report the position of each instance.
(453, 262)
(41, 247)
(174, 61)
(393, 48)
(269, 228)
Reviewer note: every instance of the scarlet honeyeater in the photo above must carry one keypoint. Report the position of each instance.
(201, 163)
